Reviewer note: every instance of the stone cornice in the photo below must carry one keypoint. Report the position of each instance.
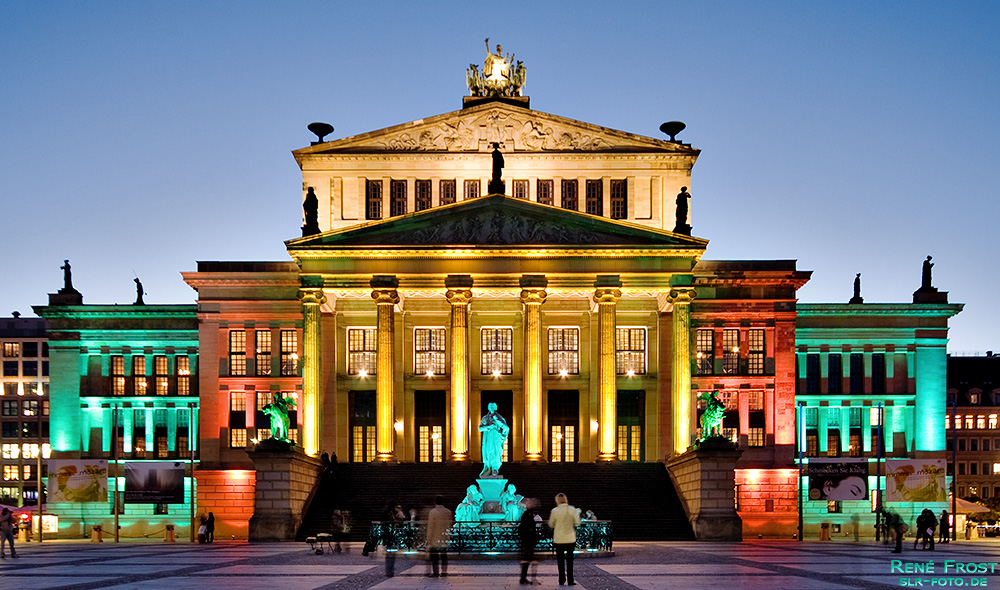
(319, 252)
(879, 309)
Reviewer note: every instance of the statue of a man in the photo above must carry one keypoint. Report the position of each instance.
(495, 431)
(67, 275)
(925, 275)
(138, 292)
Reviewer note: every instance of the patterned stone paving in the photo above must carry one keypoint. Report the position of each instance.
(72, 565)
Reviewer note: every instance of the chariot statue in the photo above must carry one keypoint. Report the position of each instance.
(500, 76)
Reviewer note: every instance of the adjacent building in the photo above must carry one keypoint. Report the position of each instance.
(973, 407)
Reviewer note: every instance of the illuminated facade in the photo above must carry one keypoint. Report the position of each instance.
(418, 296)
(24, 408)
(972, 424)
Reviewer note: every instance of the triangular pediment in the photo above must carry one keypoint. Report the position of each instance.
(497, 221)
(473, 129)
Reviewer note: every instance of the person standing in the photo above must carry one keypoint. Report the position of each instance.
(7, 531)
(563, 521)
(439, 523)
(945, 528)
(210, 525)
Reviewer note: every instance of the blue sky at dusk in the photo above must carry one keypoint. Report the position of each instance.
(851, 136)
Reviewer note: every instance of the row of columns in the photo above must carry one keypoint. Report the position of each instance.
(607, 293)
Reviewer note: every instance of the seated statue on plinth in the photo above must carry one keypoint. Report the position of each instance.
(468, 510)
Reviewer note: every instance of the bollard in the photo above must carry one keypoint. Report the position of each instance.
(96, 534)
(169, 536)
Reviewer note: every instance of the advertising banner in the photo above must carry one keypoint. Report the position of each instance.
(838, 481)
(160, 482)
(78, 480)
(915, 480)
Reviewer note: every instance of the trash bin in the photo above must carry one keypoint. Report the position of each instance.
(96, 534)
(169, 536)
(824, 531)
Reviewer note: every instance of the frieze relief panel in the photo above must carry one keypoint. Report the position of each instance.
(517, 132)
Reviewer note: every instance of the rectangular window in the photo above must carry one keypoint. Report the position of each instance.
(974, 444)
(619, 199)
(118, 375)
(973, 468)
(755, 437)
(704, 347)
(833, 443)
(30, 407)
(521, 189)
(981, 422)
(373, 199)
(833, 506)
(563, 440)
(878, 373)
(430, 444)
(11, 473)
(755, 352)
(289, 353)
(730, 352)
(812, 373)
(10, 388)
(237, 419)
(237, 352)
(397, 197)
(471, 190)
(262, 352)
(755, 401)
(428, 351)
(422, 198)
(835, 374)
(448, 191)
(544, 191)
(564, 351)
(857, 373)
(237, 438)
(10, 368)
(9, 408)
(993, 421)
(969, 420)
(570, 194)
(361, 350)
(29, 369)
(497, 351)
(160, 371)
(29, 349)
(11, 349)
(139, 374)
(630, 354)
(183, 375)
(595, 197)
(9, 451)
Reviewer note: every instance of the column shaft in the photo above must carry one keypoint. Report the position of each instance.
(312, 395)
(459, 300)
(607, 299)
(385, 301)
(532, 300)
(680, 391)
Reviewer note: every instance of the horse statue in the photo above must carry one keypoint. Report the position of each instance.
(277, 411)
(711, 419)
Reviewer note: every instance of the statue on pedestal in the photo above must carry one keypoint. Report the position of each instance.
(67, 277)
(857, 291)
(310, 211)
(277, 411)
(495, 431)
(681, 225)
(925, 275)
(138, 292)
(496, 185)
(711, 419)
(499, 77)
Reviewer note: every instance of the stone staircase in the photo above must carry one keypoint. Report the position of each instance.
(638, 497)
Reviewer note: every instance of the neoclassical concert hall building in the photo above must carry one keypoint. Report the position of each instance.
(575, 296)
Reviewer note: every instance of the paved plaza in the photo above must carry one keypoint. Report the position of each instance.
(770, 565)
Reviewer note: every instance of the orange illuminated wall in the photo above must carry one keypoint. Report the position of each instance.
(229, 495)
(767, 502)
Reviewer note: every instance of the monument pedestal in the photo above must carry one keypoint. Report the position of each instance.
(705, 479)
(286, 479)
(491, 488)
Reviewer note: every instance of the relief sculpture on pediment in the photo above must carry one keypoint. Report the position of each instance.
(499, 228)
(465, 134)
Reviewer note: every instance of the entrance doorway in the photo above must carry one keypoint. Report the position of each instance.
(429, 408)
(630, 406)
(564, 418)
(361, 409)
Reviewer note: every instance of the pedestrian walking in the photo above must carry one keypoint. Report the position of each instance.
(527, 534)
(7, 528)
(439, 522)
(563, 521)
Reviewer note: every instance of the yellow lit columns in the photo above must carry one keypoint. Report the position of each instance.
(533, 296)
(386, 297)
(680, 386)
(606, 295)
(459, 295)
(312, 395)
